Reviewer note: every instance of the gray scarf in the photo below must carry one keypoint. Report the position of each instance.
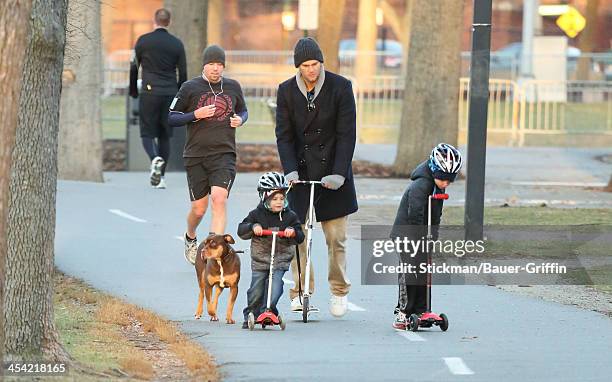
(302, 86)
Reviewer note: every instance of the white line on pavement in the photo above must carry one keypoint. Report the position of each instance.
(127, 216)
(286, 281)
(355, 308)
(411, 336)
(457, 366)
(179, 238)
(559, 184)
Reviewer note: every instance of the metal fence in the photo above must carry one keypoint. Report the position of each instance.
(570, 107)
(515, 110)
(116, 74)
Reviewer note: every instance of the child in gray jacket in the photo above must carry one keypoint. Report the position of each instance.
(272, 213)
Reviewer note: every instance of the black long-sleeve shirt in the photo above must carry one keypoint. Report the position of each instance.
(160, 55)
(213, 135)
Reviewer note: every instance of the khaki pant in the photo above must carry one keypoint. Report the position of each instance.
(335, 237)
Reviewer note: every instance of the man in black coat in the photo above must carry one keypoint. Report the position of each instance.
(159, 54)
(315, 135)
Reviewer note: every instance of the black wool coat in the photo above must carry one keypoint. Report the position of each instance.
(318, 143)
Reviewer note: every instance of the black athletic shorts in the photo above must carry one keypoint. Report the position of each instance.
(153, 111)
(215, 170)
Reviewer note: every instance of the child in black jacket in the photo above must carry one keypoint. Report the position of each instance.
(272, 213)
(432, 176)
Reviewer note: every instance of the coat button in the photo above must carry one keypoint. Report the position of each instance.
(302, 161)
(319, 131)
(321, 146)
(323, 160)
(306, 147)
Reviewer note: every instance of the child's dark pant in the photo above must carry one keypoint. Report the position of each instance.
(257, 295)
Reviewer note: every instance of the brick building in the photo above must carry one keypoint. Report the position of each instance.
(256, 24)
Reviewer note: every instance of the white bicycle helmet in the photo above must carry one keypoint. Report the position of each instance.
(271, 183)
(445, 161)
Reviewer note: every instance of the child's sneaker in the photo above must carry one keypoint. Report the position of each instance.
(245, 325)
(400, 322)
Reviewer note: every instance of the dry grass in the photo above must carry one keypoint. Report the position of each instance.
(167, 332)
(112, 311)
(90, 325)
(196, 359)
(137, 366)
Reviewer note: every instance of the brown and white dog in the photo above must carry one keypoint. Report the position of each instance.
(217, 263)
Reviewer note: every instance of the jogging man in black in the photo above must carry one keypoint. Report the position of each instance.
(159, 54)
(212, 107)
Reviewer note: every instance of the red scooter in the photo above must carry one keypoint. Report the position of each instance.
(268, 318)
(428, 319)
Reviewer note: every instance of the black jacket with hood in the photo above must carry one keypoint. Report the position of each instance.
(411, 218)
(261, 246)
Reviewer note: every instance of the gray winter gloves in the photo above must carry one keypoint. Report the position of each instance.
(292, 176)
(333, 182)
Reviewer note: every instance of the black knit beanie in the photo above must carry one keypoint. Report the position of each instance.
(306, 49)
(213, 53)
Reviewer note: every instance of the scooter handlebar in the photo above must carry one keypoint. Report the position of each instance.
(268, 232)
(307, 182)
(440, 196)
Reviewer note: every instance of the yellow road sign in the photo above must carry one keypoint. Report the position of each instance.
(571, 22)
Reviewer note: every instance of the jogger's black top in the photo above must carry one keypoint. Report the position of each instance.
(160, 54)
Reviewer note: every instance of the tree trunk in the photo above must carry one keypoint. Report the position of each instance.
(429, 112)
(399, 25)
(214, 31)
(14, 30)
(331, 15)
(608, 188)
(189, 23)
(30, 331)
(365, 63)
(80, 134)
(587, 40)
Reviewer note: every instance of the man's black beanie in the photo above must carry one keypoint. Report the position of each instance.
(213, 53)
(306, 49)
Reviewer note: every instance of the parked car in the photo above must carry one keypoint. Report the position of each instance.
(508, 58)
(390, 52)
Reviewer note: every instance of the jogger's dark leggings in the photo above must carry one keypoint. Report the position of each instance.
(160, 148)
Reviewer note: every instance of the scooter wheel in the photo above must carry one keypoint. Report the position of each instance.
(444, 324)
(251, 321)
(413, 322)
(305, 307)
(281, 322)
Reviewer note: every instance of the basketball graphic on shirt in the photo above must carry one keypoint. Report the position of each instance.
(223, 105)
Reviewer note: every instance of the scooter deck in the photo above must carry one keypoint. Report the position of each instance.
(310, 311)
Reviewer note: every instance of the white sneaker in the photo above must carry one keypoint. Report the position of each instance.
(191, 250)
(161, 185)
(338, 305)
(156, 166)
(296, 305)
